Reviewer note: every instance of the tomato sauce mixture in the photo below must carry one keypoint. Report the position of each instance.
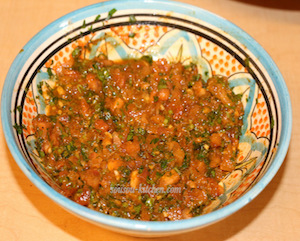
(138, 139)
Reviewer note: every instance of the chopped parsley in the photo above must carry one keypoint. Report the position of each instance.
(131, 35)
(132, 19)
(97, 18)
(111, 13)
(83, 24)
(19, 128)
(50, 74)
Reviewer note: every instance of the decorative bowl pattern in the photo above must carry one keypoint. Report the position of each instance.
(180, 33)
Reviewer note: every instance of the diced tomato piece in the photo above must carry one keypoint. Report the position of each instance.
(101, 125)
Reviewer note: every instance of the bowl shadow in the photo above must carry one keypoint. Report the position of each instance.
(83, 230)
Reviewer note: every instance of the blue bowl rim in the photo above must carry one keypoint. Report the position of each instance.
(135, 225)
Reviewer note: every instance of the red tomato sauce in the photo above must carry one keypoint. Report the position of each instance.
(138, 139)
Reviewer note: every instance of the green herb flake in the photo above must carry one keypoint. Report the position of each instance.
(176, 169)
(163, 163)
(247, 62)
(130, 135)
(150, 181)
(19, 128)
(110, 13)
(141, 131)
(137, 209)
(49, 71)
(149, 202)
(125, 205)
(97, 18)
(166, 121)
(83, 24)
(19, 108)
(158, 174)
(211, 172)
(76, 52)
(191, 84)
(196, 211)
(185, 165)
(141, 169)
(41, 154)
(83, 151)
(132, 19)
(272, 123)
(162, 84)
(103, 74)
(131, 35)
(91, 29)
(148, 58)
(154, 141)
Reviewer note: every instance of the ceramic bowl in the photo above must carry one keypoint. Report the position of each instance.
(177, 32)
